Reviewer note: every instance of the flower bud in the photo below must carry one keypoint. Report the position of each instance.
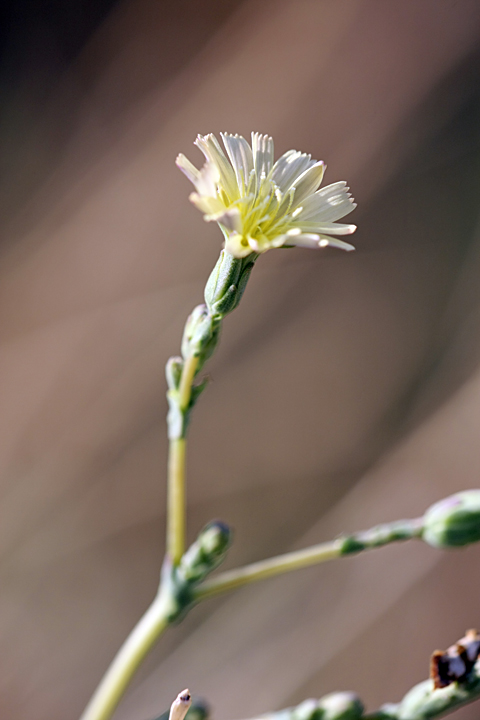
(206, 553)
(454, 521)
(341, 706)
(416, 700)
(200, 335)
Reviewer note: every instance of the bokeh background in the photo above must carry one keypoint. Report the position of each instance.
(346, 388)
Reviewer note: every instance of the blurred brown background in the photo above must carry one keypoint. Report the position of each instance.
(346, 389)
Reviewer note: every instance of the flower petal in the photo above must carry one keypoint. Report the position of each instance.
(262, 150)
(326, 241)
(187, 168)
(308, 182)
(209, 205)
(289, 167)
(327, 204)
(210, 147)
(205, 180)
(240, 155)
(327, 228)
(306, 240)
(230, 218)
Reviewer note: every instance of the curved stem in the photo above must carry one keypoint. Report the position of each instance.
(127, 660)
(176, 503)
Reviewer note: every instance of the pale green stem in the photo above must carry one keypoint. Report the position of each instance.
(176, 502)
(232, 579)
(349, 544)
(127, 661)
(186, 381)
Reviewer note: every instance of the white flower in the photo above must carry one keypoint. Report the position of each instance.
(260, 204)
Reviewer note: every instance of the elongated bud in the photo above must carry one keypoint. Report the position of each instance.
(227, 282)
(454, 521)
(206, 553)
(341, 706)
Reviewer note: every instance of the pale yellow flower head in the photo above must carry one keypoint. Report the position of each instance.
(260, 204)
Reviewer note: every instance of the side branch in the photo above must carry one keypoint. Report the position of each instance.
(346, 545)
(233, 579)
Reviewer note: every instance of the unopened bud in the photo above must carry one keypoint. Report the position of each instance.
(454, 521)
(206, 553)
(215, 538)
(200, 336)
(341, 706)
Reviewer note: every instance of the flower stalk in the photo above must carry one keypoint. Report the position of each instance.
(176, 485)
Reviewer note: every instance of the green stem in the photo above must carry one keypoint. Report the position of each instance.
(186, 381)
(232, 579)
(176, 501)
(365, 540)
(127, 661)
(176, 496)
